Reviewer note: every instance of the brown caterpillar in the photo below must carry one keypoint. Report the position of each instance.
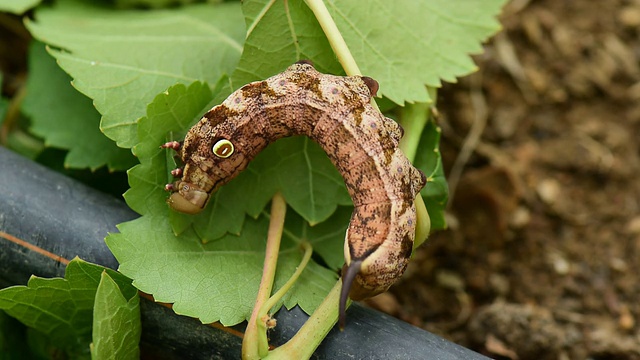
(335, 112)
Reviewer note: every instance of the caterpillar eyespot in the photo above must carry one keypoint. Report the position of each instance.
(335, 112)
(223, 148)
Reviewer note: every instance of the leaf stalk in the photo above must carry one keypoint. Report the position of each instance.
(251, 343)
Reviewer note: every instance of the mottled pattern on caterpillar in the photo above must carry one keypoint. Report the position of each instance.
(336, 113)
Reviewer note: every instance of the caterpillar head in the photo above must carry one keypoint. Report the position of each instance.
(211, 159)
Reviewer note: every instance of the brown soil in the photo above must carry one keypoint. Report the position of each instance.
(542, 253)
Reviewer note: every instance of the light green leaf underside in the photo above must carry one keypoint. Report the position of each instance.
(123, 59)
(116, 323)
(67, 119)
(18, 6)
(217, 281)
(61, 308)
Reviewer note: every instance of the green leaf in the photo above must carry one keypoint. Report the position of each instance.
(116, 322)
(67, 119)
(170, 112)
(123, 59)
(61, 308)
(279, 34)
(429, 160)
(18, 6)
(405, 45)
(217, 281)
(297, 167)
(327, 237)
(408, 44)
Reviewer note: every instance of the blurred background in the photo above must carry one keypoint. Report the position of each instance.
(541, 150)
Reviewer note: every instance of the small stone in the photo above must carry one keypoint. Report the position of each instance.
(548, 190)
(560, 265)
(520, 217)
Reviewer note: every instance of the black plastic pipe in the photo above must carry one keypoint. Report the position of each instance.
(44, 214)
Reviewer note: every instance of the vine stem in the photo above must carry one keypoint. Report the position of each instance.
(250, 342)
(414, 117)
(419, 111)
(314, 330)
(334, 36)
(339, 46)
(262, 314)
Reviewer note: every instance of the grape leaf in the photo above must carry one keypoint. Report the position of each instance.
(116, 322)
(122, 59)
(171, 111)
(429, 160)
(297, 167)
(403, 58)
(55, 108)
(18, 6)
(327, 238)
(61, 308)
(217, 281)
(408, 44)
(278, 34)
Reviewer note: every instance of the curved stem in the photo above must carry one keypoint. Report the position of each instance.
(314, 330)
(250, 342)
(334, 36)
(263, 345)
(339, 46)
(413, 118)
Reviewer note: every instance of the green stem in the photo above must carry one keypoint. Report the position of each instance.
(334, 36)
(336, 40)
(314, 330)
(262, 314)
(251, 340)
(413, 118)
